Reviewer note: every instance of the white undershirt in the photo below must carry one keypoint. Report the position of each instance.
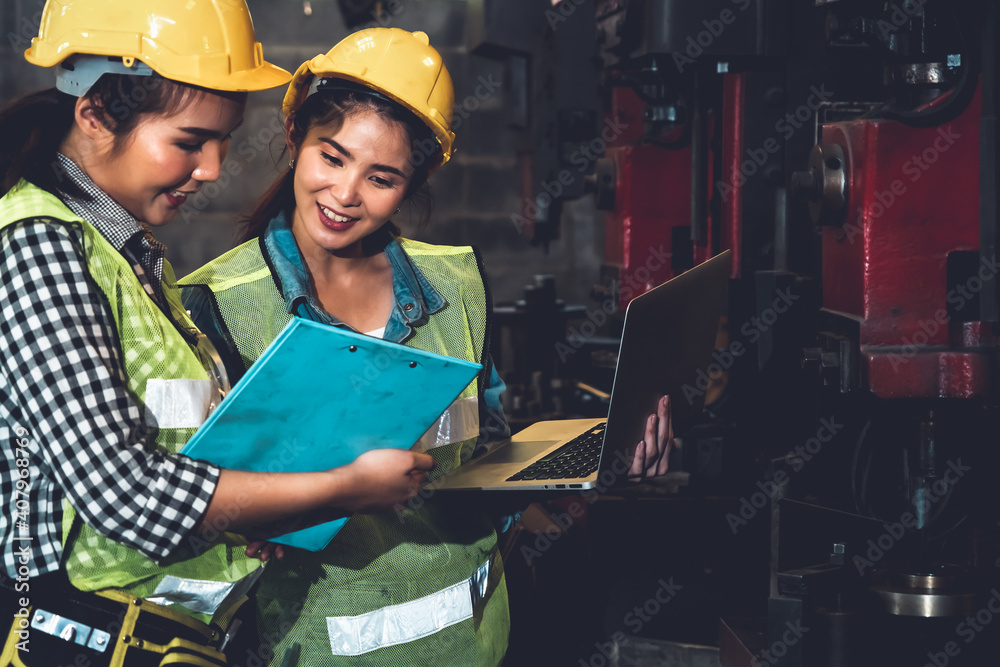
(376, 333)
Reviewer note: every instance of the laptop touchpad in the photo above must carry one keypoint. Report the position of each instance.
(519, 451)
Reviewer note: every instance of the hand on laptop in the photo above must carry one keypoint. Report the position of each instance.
(652, 454)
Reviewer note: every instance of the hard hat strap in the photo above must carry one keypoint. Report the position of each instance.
(77, 74)
(331, 84)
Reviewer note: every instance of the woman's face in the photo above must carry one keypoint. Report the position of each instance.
(348, 181)
(167, 159)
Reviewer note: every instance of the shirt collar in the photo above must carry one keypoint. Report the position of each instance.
(414, 295)
(109, 217)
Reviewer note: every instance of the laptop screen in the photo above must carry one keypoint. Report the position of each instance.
(668, 337)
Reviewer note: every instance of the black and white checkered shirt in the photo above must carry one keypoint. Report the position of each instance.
(128, 235)
(72, 428)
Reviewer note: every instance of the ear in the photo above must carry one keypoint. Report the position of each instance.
(289, 128)
(89, 119)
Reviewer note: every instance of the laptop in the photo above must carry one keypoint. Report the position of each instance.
(668, 336)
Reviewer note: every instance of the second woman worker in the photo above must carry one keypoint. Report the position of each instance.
(366, 124)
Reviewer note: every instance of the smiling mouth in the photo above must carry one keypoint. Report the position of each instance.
(334, 216)
(178, 197)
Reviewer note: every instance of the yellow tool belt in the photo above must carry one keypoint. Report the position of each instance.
(107, 628)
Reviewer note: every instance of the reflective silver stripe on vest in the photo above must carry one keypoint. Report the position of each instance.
(459, 422)
(406, 622)
(177, 403)
(201, 595)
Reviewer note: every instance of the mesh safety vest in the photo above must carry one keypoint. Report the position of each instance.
(172, 386)
(421, 585)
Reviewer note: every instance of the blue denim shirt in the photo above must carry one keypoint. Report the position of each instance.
(414, 295)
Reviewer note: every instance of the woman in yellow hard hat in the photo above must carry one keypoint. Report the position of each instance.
(366, 123)
(112, 543)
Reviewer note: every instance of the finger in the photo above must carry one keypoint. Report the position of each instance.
(416, 481)
(664, 427)
(654, 446)
(660, 443)
(667, 430)
(263, 550)
(279, 551)
(664, 463)
(423, 462)
(253, 547)
(670, 419)
(635, 470)
(644, 449)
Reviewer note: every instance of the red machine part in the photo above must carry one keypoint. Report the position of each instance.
(733, 110)
(652, 197)
(912, 199)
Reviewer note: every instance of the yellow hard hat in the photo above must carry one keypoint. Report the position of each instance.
(208, 43)
(399, 64)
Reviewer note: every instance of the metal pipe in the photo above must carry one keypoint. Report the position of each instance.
(988, 168)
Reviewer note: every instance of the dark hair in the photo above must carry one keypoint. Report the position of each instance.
(331, 107)
(33, 127)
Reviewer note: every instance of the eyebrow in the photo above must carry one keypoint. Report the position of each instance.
(346, 153)
(207, 133)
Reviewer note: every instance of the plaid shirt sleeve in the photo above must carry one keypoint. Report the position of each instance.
(62, 381)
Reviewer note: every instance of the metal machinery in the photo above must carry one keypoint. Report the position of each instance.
(839, 502)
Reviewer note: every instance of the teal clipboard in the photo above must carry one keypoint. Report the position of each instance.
(319, 397)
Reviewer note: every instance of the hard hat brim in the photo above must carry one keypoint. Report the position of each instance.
(262, 77)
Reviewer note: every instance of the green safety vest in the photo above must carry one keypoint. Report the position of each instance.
(422, 585)
(172, 387)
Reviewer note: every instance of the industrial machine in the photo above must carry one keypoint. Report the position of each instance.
(837, 505)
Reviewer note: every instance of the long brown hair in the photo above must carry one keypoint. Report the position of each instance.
(331, 107)
(33, 127)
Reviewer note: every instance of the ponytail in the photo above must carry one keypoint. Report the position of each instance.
(279, 198)
(31, 130)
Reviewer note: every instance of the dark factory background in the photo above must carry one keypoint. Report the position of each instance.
(834, 502)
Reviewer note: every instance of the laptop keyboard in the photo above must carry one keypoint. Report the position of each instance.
(577, 458)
